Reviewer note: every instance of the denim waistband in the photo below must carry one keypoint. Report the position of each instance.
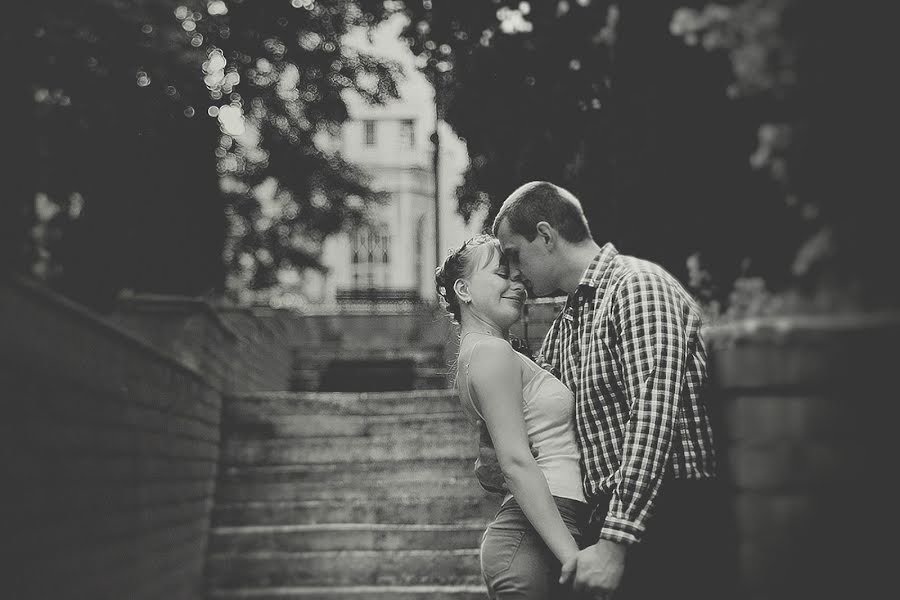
(574, 514)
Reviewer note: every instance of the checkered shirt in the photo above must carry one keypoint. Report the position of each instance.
(628, 344)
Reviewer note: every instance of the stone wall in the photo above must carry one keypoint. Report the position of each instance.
(109, 457)
(803, 409)
(806, 405)
(237, 349)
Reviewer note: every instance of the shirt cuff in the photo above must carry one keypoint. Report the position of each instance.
(621, 531)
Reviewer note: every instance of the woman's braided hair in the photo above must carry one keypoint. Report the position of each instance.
(458, 264)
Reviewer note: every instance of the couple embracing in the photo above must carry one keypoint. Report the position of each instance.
(602, 445)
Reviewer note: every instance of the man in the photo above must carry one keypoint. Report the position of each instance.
(628, 345)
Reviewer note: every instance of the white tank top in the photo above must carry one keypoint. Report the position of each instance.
(549, 410)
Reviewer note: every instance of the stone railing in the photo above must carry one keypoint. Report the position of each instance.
(240, 349)
(801, 401)
(110, 452)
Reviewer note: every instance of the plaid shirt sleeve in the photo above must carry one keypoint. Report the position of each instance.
(648, 316)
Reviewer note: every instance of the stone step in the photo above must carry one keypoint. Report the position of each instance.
(365, 369)
(359, 592)
(284, 451)
(346, 490)
(421, 469)
(476, 508)
(305, 380)
(419, 378)
(358, 403)
(345, 567)
(340, 536)
(320, 354)
(322, 425)
(385, 480)
(433, 378)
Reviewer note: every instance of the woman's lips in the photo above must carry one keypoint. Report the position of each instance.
(520, 298)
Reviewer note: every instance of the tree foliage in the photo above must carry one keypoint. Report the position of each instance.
(107, 153)
(603, 100)
(293, 67)
(732, 151)
(825, 115)
(131, 176)
(524, 89)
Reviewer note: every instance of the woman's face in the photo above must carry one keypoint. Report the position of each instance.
(498, 294)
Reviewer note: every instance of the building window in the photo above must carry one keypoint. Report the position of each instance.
(370, 256)
(369, 133)
(407, 134)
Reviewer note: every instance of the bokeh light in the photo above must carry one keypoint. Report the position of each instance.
(217, 7)
(231, 120)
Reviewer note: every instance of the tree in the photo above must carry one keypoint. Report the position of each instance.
(603, 100)
(122, 156)
(825, 114)
(285, 194)
(121, 178)
(749, 151)
(522, 92)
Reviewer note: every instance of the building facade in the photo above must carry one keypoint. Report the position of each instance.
(391, 258)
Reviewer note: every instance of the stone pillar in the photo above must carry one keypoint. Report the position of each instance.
(805, 402)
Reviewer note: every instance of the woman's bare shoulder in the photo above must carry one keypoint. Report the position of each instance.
(490, 350)
(490, 358)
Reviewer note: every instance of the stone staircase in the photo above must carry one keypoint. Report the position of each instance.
(347, 496)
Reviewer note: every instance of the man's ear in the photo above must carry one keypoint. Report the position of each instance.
(461, 288)
(547, 233)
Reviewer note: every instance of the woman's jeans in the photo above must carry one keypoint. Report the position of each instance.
(515, 561)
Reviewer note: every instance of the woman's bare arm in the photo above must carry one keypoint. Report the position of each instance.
(496, 375)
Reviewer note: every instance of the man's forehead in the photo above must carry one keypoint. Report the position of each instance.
(506, 236)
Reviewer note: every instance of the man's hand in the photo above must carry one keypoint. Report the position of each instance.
(597, 570)
(487, 467)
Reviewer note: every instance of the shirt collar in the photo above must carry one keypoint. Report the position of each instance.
(598, 267)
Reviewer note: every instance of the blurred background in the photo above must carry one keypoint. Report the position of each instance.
(215, 149)
(227, 372)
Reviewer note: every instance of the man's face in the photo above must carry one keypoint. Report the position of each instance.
(532, 259)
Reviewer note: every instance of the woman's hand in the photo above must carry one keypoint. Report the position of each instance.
(597, 570)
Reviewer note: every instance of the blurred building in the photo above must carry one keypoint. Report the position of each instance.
(390, 259)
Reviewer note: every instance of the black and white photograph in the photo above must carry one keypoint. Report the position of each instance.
(449, 299)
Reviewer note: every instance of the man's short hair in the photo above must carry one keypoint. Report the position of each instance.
(538, 201)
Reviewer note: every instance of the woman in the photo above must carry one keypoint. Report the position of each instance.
(539, 525)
